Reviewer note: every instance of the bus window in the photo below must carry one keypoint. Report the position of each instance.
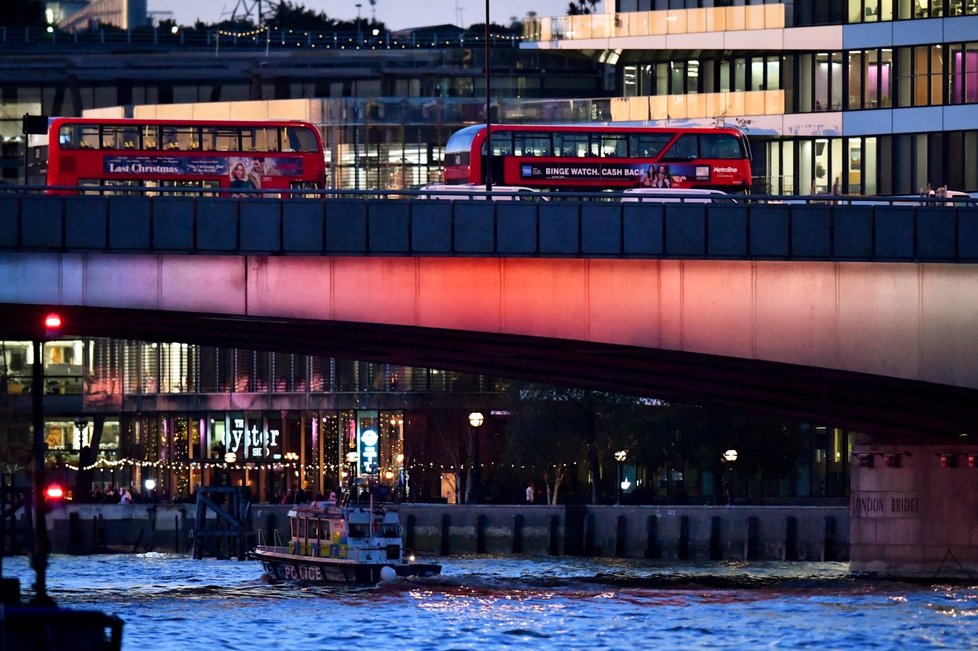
(120, 137)
(305, 185)
(648, 144)
(88, 138)
(130, 137)
(570, 144)
(502, 144)
(179, 138)
(173, 188)
(528, 143)
(613, 145)
(684, 149)
(720, 145)
(151, 137)
(69, 137)
(259, 139)
(118, 187)
(89, 186)
(300, 139)
(220, 139)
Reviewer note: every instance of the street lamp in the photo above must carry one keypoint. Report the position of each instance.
(488, 116)
(230, 458)
(353, 459)
(82, 425)
(620, 457)
(475, 420)
(359, 40)
(729, 457)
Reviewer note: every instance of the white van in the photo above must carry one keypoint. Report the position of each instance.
(471, 191)
(676, 195)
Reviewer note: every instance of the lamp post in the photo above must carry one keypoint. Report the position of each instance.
(729, 457)
(41, 542)
(475, 420)
(353, 459)
(488, 52)
(229, 459)
(359, 32)
(82, 425)
(83, 476)
(291, 459)
(620, 457)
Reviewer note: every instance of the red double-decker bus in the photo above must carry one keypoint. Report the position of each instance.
(600, 157)
(210, 157)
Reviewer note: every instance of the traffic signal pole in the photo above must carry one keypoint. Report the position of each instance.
(42, 544)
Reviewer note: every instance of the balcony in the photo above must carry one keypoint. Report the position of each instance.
(715, 106)
(653, 23)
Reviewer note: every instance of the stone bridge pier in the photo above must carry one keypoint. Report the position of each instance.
(914, 507)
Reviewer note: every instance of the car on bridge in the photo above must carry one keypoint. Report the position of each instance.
(472, 191)
(676, 195)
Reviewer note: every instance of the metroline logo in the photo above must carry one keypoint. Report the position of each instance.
(728, 170)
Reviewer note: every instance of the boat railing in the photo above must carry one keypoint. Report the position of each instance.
(277, 544)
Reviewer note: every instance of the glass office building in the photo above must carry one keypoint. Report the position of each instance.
(879, 94)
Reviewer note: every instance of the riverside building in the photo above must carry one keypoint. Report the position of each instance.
(184, 415)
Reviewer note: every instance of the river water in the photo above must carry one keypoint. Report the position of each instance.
(479, 602)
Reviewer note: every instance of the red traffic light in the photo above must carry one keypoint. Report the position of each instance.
(54, 492)
(52, 324)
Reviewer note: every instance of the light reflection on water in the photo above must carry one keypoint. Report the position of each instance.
(174, 602)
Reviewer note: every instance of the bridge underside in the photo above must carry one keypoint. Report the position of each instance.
(899, 409)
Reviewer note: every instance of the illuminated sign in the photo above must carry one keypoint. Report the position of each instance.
(252, 442)
(369, 451)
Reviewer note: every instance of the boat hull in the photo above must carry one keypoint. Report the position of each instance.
(308, 570)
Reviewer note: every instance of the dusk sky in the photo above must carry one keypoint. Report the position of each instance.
(397, 14)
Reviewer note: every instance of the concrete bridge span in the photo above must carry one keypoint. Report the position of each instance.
(879, 347)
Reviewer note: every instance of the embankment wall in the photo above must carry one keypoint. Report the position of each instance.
(803, 533)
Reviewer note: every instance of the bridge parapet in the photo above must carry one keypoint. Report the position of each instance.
(562, 229)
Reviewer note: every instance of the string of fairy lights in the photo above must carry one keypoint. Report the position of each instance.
(262, 36)
(105, 464)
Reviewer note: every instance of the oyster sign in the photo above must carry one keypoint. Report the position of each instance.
(253, 442)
